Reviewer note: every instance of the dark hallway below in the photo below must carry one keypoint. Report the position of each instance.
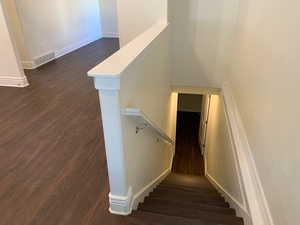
(188, 158)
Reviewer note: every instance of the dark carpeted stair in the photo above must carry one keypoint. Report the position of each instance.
(185, 200)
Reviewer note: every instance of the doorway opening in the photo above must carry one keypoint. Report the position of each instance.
(192, 119)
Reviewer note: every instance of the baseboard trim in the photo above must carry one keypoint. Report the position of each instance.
(70, 48)
(142, 194)
(234, 203)
(110, 35)
(31, 65)
(120, 205)
(259, 211)
(28, 65)
(7, 81)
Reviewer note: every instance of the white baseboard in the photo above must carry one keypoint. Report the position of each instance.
(120, 205)
(141, 195)
(7, 81)
(31, 65)
(70, 48)
(28, 65)
(259, 211)
(110, 35)
(234, 203)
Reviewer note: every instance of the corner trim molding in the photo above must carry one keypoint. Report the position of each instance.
(258, 206)
(7, 81)
(110, 35)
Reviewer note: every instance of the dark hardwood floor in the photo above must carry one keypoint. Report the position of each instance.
(52, 156)
(188, 158)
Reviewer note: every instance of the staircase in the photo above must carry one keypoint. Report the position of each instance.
(185, 200)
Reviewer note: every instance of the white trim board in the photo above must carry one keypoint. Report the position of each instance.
(110, 35)
(195, 90)
(8, 81)
(258, 206)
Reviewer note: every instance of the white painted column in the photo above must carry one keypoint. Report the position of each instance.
(120, 194)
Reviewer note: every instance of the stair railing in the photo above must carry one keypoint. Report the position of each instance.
(143, 122)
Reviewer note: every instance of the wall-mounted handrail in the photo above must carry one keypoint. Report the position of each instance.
(144, 122)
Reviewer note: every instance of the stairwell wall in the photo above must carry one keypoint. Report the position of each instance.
(202, 39)
(221, 161)
(265, 84)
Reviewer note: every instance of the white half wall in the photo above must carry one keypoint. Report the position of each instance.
(146, 85)
(136, 16)
(137, 76)
(109, 18)
(11, 73)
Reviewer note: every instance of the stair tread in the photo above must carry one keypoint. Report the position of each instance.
(188, 181)
(159, 219)
(180, 195)
(185, 207)
(203, 215)
(183, 192)
(187, 188)
(185, 200)
(190, 200)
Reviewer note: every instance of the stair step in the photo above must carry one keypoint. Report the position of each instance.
(184, 208)
(187, 195)
(189, 200)
(184, 191)
(187, 188)
(158, 219)
(201, 216)
(188, 181)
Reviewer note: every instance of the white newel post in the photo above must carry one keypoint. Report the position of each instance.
(120, 194)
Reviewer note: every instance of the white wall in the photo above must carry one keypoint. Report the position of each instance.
(265, 82)
(136, 16)
(220, 157)
(109, 18)
(202, 34)
(58, 25)
(13, 19)
(146, 158)
(11, 73)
